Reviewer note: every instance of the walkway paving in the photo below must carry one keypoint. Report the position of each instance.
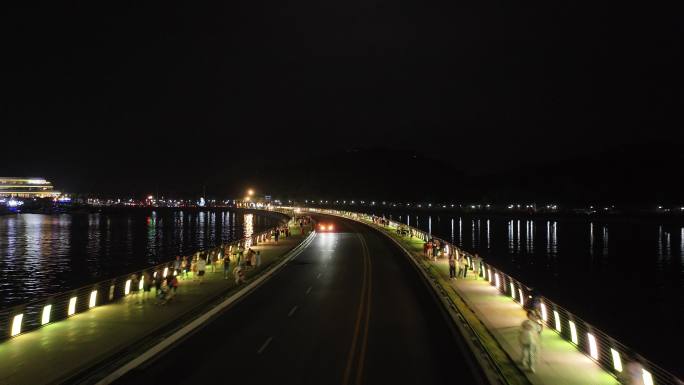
(57, 351)
(559, 362)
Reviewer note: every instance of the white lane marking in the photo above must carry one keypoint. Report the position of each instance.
(294, 309)
(201, 320)
(308, 290)
(268, 341)
(318, 276)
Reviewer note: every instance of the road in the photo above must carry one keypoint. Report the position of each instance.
(350, 309)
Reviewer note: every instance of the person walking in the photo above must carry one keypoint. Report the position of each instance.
(239, 275)
(193, 268)
(258, 258)
(528, 344)
(452, 267)
(464, 266)
(147, 285)
(277, 235)
(177, 265)
(226, 265)
(201, 267)
(212, 260)
(184, 267)
(477, 262)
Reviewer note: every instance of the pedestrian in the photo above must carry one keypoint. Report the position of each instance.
(169, 283)
(452, 267)
(193, 268)
(157, 283)
(477, 262)
(201, 267)
(226, 266)
(258, 258)
(135, 284)
(241, 252)
(174, 285)
(184, 267)
(239, 275)
(464, 266)
(277, 235)
(435, 249)
(177, 265)
(210, 261)
(528, 344)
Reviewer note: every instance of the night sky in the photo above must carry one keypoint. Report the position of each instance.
(130, 97)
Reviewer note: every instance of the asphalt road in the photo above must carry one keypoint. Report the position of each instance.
(350, 309)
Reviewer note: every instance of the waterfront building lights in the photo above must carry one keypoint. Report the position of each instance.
(127, 288)
(522, 300)
(93, 299)
(512, 290)
(45, 316)
(647, 377)
(617, 362)
(593, 347)
(496, 278)
(489, 272)
(72, 306)
(556, 318)
(166, 272)
(140, 283)
(16, 324)
(573, 332)
(543, 311)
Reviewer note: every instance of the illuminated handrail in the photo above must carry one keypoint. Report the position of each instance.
(606, 351)
(22, 318)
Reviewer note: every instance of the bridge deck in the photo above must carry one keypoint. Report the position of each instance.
(56, 351)
(558, 361)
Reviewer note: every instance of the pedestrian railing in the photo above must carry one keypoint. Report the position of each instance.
(616, 358)
(19, 319)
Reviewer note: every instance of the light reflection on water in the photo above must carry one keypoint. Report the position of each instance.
(588, 266)
(44, 254)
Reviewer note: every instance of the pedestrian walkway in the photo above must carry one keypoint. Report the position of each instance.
(57, 351)
(558, 362)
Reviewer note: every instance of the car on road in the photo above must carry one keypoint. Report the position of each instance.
(326, 227)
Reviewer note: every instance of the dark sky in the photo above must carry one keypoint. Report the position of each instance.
(112, 96)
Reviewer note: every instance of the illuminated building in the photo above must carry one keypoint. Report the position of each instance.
(27, 188)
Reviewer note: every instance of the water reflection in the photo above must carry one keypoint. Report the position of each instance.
(529, 239)
(452, 230)
(42, 254)
(591, 239)
(249, 229)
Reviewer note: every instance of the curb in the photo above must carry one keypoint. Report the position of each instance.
(201, 320)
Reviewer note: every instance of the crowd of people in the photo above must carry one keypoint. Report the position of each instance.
(459, 263)
(236, 260)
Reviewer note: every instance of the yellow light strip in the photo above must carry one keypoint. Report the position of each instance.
(45, 318)
(72, 306)
(16, 324)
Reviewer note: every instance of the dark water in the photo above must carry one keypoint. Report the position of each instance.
(624, 276)
(45, 254)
